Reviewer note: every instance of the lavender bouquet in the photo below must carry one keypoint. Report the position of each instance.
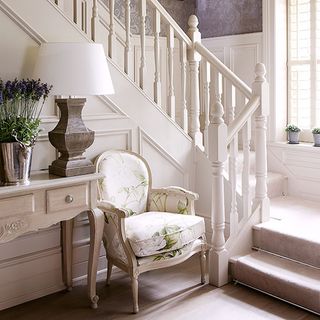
(20, 108)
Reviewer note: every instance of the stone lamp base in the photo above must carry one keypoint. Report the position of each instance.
(71, 138)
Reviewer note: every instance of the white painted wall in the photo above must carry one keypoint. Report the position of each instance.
(30, 266)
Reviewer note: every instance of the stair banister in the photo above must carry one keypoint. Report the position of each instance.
(225, 71)
(218, 261)
(94, 20)
(261, 88)
(127, 49)
(157, 65)
(194, 59)
(112, 36)
(243, 116)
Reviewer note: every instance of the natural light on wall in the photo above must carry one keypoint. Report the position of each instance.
(303, 63)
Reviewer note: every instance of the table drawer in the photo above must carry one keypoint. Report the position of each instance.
(24, 204)
(75, 197)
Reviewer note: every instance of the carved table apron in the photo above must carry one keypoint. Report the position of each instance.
(48, 200)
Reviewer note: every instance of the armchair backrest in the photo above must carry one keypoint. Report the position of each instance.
(126, 181)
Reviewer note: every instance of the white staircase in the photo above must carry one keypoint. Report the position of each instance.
(189, 107)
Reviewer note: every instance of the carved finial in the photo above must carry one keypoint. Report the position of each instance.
(260, 71)
(193, 22)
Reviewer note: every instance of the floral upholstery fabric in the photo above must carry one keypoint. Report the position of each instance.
(168, 202)
(154, 233)
(195, 245)
(125, 181)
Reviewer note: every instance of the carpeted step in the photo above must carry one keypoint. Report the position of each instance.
(293, 230)
(283, 278)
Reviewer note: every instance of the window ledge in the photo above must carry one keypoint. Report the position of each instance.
(302, 146)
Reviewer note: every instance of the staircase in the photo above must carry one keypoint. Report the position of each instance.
(285, 261)
(209, 124)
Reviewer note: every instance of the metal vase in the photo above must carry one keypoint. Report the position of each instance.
(293, 137)
(316, 139)
(15, 164)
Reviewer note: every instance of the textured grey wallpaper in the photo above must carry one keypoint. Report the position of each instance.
(227, 17)
(179, 10)
(217, 17)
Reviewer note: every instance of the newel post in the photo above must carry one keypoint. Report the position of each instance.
(194, 59)
(260, 87)
(218, 262)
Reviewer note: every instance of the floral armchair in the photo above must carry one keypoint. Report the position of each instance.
(145, 228)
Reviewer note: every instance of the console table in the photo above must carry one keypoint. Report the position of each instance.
(48, 200)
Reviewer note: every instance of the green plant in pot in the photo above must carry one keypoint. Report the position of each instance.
(21, 102)
(293, 133)
(316, 136)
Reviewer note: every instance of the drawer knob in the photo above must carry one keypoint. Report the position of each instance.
(69, 198)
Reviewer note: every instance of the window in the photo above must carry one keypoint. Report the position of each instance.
(303, 64)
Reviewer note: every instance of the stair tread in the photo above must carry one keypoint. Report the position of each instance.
(281, 268)
(294, 217)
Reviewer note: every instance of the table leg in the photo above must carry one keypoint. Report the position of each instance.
(67, 249)
(96, 219)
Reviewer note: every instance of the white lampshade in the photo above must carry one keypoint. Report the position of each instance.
(74, 69)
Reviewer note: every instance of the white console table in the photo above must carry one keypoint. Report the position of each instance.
(48, 200)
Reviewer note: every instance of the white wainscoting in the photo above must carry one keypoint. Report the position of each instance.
(300, 163)
(30, 266)
(238, 52)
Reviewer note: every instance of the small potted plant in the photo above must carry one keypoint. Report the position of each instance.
(293, 133)
(316, 136)
(19, 127)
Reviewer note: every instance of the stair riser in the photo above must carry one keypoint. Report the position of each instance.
(292, 292)
(287, 246)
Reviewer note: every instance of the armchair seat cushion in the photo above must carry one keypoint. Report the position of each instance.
(153, 233)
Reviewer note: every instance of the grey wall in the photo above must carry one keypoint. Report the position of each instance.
(179, 10)
(226, 17)
(217, 17)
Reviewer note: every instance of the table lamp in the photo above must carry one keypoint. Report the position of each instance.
(73, 69)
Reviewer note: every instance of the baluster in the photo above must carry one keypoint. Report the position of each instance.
(94, 20)
(76, 11)
(183, 63)
(171, 97)
(143, 13)
(84, 15)
(112, 36)
(218, 270)
(260, 87)
(246, 200)
(128, 39)
(157, 79)
(234, 217)
(206, 103)
(194, 59)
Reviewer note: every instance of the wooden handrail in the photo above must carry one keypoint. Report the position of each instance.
(225, 71)
(244, 115)
(167, 17)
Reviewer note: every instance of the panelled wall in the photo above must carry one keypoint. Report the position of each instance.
(30, 266)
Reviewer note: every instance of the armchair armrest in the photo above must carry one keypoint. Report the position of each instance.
(109, 206)
(172, 199)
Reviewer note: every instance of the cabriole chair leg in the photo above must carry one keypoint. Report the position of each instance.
(134, 284)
